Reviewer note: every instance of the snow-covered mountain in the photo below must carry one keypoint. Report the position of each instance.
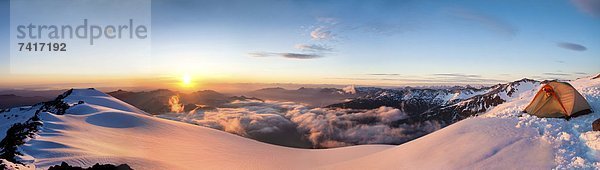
(443, 105)
(97, 128)
(480, 103)
(408, 99)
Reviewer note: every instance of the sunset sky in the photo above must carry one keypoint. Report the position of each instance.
(358, 42)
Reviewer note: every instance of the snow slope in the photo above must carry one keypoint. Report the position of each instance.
(469, 144)
(106, 130)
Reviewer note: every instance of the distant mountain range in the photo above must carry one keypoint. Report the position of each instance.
(16, 98)
(157, 101)
(444, 105)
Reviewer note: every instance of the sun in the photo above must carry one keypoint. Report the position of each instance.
(186, 80)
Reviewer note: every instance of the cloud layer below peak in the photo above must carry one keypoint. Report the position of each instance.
(320, 127)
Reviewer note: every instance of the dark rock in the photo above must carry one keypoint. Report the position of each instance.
(16, 135)
(596, 125)
(97, 166)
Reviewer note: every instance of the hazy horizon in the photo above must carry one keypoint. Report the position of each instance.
(236, 88)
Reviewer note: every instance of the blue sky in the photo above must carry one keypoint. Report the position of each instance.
(372, 42)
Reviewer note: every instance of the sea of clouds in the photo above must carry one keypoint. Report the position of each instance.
(270, 121)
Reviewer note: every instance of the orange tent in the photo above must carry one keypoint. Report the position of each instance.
(558, 99)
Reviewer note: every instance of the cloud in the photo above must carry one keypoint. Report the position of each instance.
(384, 28)
(457, 75)
(286, 55)
(300, 56)
(556, 74)
(448, 78)
(427, 80)
(463, 78)
(261, 54)
(383, 74)
(328, 28)
(389, 115)
(322, 33)
(490, 22)
(590, 7)
(253, 119)
(324, 29)
(314, 47)
(572, 46)
(342, 127)
(321, 127)
(328, 20)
